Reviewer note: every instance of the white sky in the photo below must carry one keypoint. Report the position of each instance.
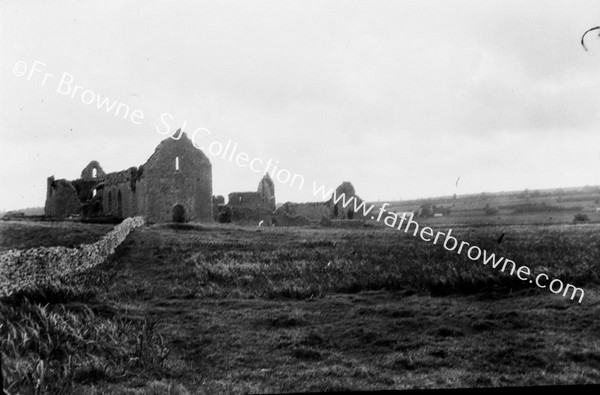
(399, 97)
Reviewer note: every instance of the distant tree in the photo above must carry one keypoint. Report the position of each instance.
(426, 210)
(580, 218)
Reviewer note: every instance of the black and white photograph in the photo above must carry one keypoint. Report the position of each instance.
(299, 196)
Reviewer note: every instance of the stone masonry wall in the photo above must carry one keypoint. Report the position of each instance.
(177, 174)
(61, 199)
(313, 211)
(21, 269)
(245, 199)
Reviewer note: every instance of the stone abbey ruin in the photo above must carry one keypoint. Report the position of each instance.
(175, 185)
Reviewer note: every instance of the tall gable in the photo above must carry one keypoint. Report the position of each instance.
(175, 154)
(92, 171)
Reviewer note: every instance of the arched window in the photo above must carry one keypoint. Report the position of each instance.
(94, 172)
(176, 163)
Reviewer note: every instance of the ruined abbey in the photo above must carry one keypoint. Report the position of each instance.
(175, 185)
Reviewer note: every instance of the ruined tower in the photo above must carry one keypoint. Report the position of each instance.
(266, 189)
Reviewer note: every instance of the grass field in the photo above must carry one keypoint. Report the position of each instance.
(536, 207)
(213, 309)
(26, 234)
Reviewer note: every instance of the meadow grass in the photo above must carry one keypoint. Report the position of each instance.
(59, 337)
(29, 234)
(213, 309)
(354, 261)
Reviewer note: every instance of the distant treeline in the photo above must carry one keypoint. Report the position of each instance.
(537, 208)
(581, 194)
(26, 211)
(594, 198)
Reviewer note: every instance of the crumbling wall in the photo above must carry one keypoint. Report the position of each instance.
(88, 172)
(93, 207)
(85, 188)
(266, 189)
(284, 219)
(313, 211)
(119, 193)
(245, 199)
(61, 199)
(316, 211)
(224, 215)
(248, 206)
(339, 211)
(217, 201)
(253, 206)
(257, 214)
(21, 269)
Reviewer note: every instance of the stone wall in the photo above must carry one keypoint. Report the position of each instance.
(85, 188)
(217, 201)
(284, 219)
(21, 269)
(251, 206)
(316, 211)
(88, 172)
(245, 199)
(266, 189)
(339, 211)
(123, 184)
(313, 211)
(250, 214)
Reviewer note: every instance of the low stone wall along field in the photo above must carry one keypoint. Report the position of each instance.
(21, 269)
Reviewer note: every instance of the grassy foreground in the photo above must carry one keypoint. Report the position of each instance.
(213, 309)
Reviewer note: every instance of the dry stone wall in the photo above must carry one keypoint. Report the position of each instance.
(21, 269)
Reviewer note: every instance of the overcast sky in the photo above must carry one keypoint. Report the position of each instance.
(401, 98)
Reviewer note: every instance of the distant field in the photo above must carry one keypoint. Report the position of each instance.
(26, 234)
(226, 309)
(475, 219)
(535, 206)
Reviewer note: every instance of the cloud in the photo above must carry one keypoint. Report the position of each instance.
(398, 97)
